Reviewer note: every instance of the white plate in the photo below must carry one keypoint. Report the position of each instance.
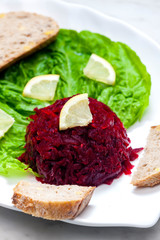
(119, 204)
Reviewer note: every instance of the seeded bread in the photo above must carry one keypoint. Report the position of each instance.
(50, 201)
(147, 173)
(22, 33)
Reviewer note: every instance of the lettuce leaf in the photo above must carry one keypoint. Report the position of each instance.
(67, 56)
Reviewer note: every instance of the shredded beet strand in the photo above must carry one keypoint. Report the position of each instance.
(88, 156)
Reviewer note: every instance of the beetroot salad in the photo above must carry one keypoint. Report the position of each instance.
(88, 156)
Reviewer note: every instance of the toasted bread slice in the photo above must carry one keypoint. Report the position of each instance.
(22, 33)
(50, 201)
(147, 173)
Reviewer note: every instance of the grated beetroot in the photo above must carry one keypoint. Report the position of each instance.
(90, 155)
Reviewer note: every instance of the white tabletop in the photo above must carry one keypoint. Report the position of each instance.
(145, 15)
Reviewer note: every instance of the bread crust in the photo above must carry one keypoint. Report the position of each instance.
(51, 210)
(149, 181)
(32, 43)
(152, 179)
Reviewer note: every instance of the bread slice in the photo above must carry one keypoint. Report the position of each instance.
(147, 173)
(22, 33)
(50, 201)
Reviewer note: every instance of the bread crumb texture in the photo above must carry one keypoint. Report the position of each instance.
(22, 33)
(147, 173)
(50, 201)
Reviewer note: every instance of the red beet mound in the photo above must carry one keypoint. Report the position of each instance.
(90, 155)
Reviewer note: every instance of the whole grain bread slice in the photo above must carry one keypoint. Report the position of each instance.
(50, 201)
(147, 173)
(22, 33)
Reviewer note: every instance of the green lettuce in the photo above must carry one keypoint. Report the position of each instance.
(67, 56)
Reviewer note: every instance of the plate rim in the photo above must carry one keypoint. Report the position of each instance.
(115, 19)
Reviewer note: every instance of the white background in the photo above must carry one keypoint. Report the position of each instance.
(145, 15)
